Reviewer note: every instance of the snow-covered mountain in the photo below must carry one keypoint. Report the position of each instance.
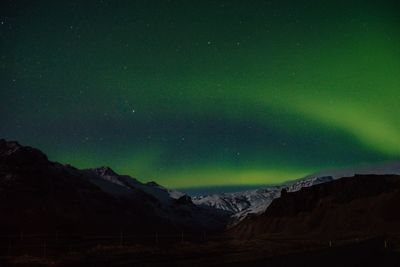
(252, 202)
(102, 177)
(381, 169)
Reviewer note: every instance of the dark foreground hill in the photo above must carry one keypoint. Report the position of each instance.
(359, 206)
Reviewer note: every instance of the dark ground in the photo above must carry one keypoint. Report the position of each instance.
(376, 251)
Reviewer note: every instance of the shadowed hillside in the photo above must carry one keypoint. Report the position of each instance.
(42, 197)
(363, 205)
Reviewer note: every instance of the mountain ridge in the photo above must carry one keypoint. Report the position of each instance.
(253, 202)
(40, 195)
(362, 205)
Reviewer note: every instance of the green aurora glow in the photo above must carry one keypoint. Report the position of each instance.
(202, 93)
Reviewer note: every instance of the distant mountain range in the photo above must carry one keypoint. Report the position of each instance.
(253, 202)
(40, 195)
(356, 210)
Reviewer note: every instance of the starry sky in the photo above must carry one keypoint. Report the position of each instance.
(203, 93)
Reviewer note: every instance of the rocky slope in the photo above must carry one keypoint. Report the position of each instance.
(363, 205)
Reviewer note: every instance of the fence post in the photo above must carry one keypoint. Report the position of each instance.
(9, 248)
(385, 244)
(330, 243)
(44, 249)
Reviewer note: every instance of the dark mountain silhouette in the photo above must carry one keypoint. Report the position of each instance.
(359, 206)
(40, 196)
(359, 215)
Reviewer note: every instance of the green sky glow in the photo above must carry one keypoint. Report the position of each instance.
(200, 93)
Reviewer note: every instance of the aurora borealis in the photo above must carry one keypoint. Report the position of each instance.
(203, 93)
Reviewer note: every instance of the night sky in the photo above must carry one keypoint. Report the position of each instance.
(203, 93)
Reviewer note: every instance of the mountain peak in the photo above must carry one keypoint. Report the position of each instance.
(12, 151)
(104, 171)
(152, 183)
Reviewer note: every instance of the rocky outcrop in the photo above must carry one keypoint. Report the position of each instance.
(363, 205)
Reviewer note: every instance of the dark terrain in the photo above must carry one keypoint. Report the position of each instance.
(55, 215)
(363, 205)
